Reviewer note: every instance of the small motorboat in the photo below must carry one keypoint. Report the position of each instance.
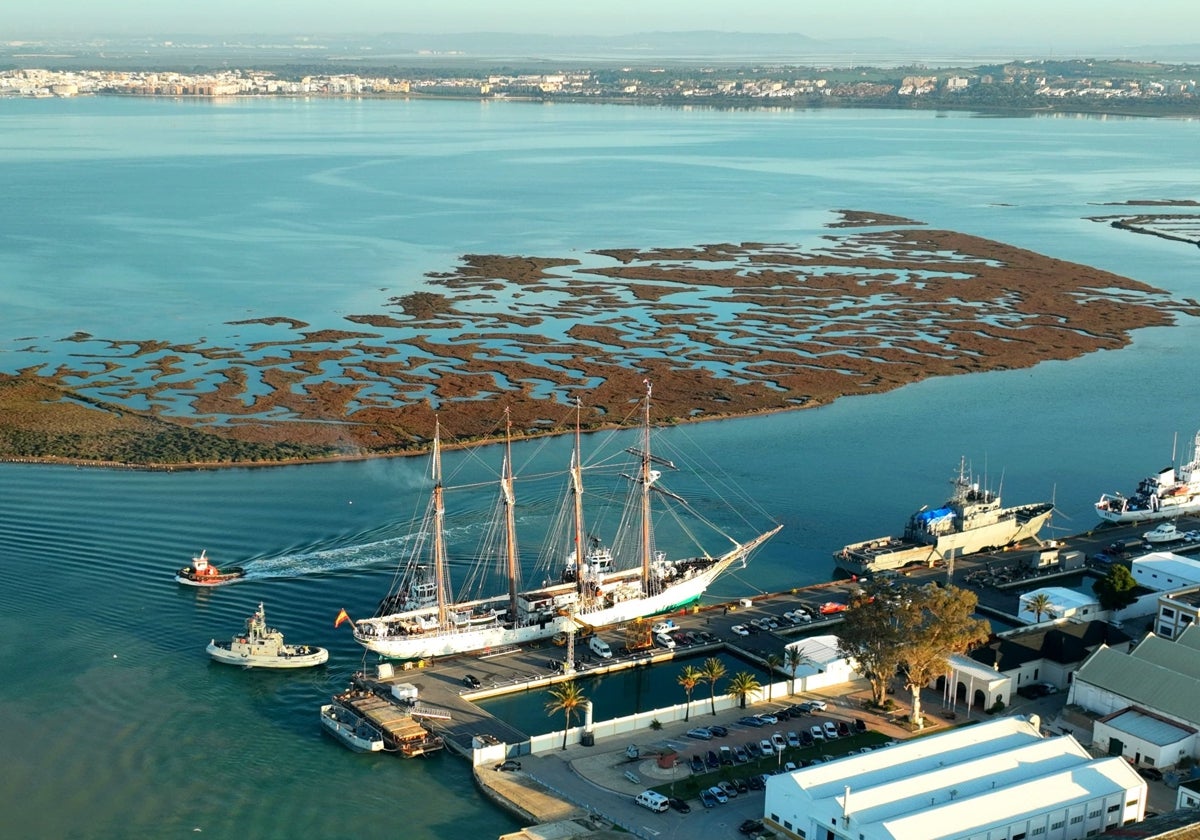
(203, 573)
(262, 647)
(351, 728)
(1164, 533)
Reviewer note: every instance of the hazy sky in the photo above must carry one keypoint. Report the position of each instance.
(968, 22)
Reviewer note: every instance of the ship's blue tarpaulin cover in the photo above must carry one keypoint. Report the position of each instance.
(928, 517)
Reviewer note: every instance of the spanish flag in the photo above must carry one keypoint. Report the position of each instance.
(341, 616)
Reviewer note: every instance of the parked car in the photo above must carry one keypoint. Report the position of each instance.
(793, 740)
(701, 733)
(806, 738)
(816, 732)
(789, 767)
(817, 705)
(718, 731)
(843, 729)
(509, 766)
(718, 794)
(679, 805)
(741, 785)
(740, 755)
(711, 759)
(1153, 774)
(740, 630)
(756, 782)
(664, 640)
(831, 730)
(707, 799)
(750, 720)
(766, 747)
(696, 763)
(470, 681)
(751, 826)
(799, 709)
(753, 750)
(767, 717)
(728, 789)
(778, 742)
(860, 725)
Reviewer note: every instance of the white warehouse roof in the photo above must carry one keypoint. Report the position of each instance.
(960, 783)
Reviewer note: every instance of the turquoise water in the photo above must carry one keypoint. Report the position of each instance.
(159, 219)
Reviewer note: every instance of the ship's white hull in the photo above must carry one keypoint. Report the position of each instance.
(247, 659)
(481, 639)
(473, 640)
(1168, 509)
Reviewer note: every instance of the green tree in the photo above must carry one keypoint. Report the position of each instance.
(713, 670)
(871, 635)
(772, 661)
(935, 623)
(689, 678)
(742, 685)
(567, 698)
(792, 660)
(1040, 604)
(1116, 589)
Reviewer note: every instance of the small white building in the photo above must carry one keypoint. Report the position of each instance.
(1064, 603)
(1177, 611)
(822, 665)
(973, 685)
(1162, 571)
(998, 779)
(1159, 678)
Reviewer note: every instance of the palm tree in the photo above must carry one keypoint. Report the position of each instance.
(689, 678)
(567, 698)
(713, 670)
(742, 685)
(1040, 604)
(792, 660)
(772, 661)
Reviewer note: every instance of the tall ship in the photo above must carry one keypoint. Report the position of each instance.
(1168, 493)
(586, 584)
(971, 520)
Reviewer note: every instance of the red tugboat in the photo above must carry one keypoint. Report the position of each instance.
(203, 573)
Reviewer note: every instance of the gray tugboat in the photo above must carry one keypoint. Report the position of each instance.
(263, 647)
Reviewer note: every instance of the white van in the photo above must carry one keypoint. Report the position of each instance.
(600, 647)
(654, 801)
(665, 640)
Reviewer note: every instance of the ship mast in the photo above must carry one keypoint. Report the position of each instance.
(510, 524)
(577, 491)
(439, 519)
(646, 479)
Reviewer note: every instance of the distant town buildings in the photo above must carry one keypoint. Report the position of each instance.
(627, 84)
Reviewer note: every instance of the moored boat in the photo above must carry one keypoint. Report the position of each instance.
(1164, 533)
(971, 520)
(421, 619)
(351, 728)
(263, 647)
(204, 573)
(1171, 492)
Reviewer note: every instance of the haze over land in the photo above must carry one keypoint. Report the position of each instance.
(866, 31)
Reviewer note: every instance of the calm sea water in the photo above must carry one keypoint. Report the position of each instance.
(162, 219)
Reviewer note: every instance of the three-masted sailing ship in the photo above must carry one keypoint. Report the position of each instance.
(420, 619)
